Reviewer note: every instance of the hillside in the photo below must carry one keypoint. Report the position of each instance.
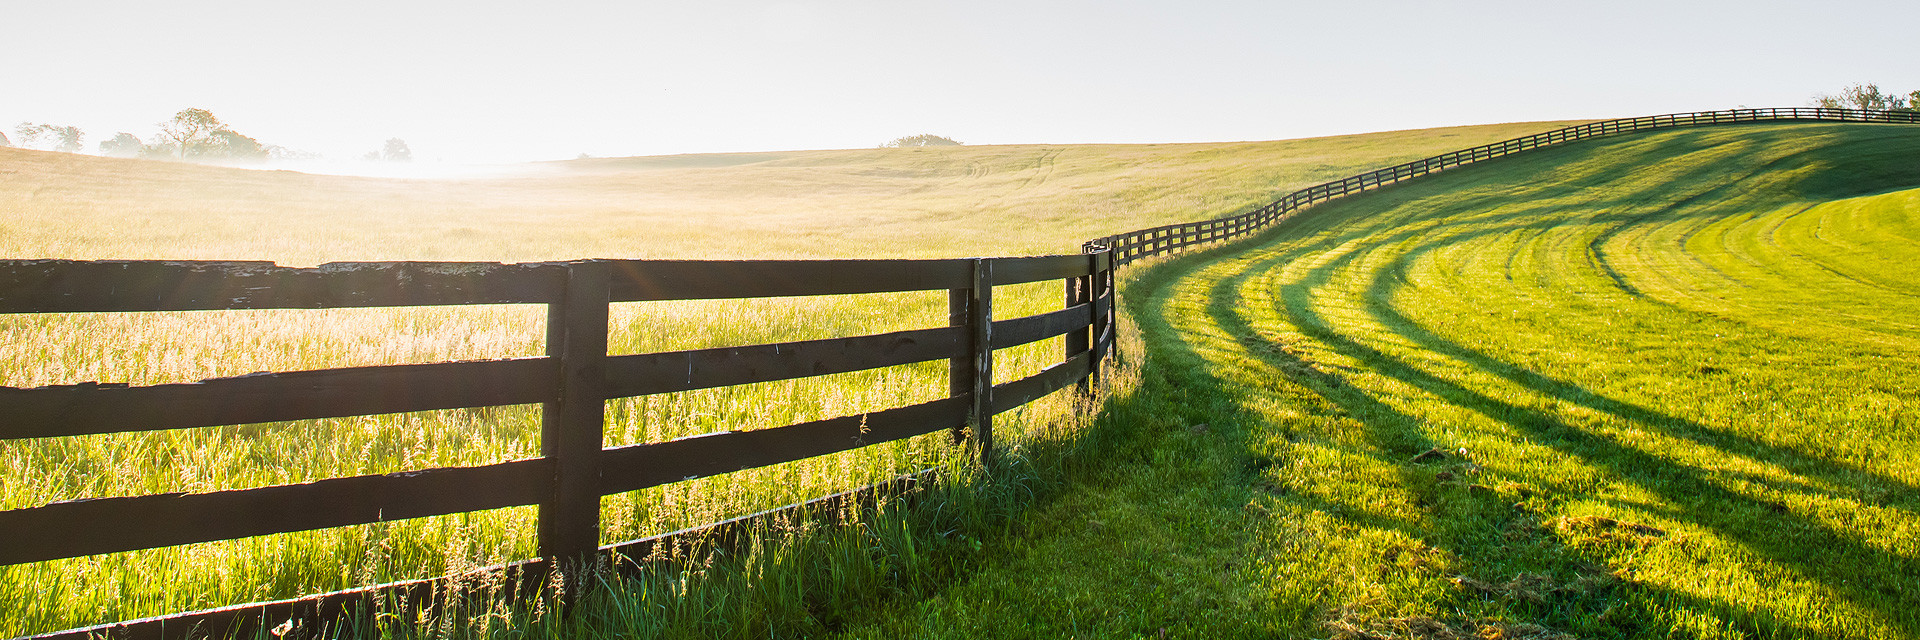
(1657, 385)
(924, 202)
(864, 203)
(1653, 385)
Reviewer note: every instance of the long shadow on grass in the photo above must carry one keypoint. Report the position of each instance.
(1811, 548)
(1398, 435)
(1902, 495)
(1620, 216)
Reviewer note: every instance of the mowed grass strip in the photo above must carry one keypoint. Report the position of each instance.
(967, 201)
(1652, 386)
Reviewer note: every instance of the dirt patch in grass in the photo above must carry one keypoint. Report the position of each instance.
(1354, 623)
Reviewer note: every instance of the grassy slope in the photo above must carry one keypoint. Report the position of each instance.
(869, 203)
(1675, 375)
(926, 202)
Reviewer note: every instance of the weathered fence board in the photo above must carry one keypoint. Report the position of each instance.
(1011, 395)
(657, 463)
(60, 286)
(1019, 331)
(573, 424)
(107, 525)
(637, 280)
(1008, 271)
(980, 321)
(666, 372)
(91, 408)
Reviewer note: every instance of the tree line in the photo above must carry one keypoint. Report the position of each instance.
(191, 134)
(196, 134)
(1869, 96)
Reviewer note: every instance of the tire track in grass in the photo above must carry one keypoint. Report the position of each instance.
(1708, 497)
(1394, 435)
(1818, 234)
(1777, 284)
(1672, 478)
(1833, 473)
(1471, 533)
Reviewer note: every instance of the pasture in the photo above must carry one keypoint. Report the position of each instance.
(1658, 385)
(862, 203)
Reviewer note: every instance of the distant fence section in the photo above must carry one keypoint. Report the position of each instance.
(577, 376)
(1134, 245)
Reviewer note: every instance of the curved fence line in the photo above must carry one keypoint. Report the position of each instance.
(577, 376)
(1134, 245)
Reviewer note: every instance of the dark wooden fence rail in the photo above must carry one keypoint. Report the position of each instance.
(1134, 245)
(577, 376)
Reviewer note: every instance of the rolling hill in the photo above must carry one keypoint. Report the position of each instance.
(1656, 385)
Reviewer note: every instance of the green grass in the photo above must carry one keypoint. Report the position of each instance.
(1668, 382)
(863, 203)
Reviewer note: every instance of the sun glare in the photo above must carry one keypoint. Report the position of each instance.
(407, 170)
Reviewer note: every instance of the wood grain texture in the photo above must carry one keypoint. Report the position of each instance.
(107, 525)
(1034, 269)
(1011, 395)
(980, 323)
(635, 280)
(60, 286)
(653, 464)
(573, 424)
(92, 408)
(648, 373)
(1018, 331)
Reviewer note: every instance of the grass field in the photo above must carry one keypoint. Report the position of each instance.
(937, 202)
(1653, 386)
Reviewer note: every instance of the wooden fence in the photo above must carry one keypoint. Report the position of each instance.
(576, 377)
(572, 382)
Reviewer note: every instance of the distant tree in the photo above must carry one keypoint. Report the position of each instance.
(122, 145)
(1868, 96)
(160, 149)
(922, 140)
(62, 139)
(277, 152)
(196, 133)
(29, 134)
(69, 138)
(228, 144)
(191, 131)
(396, 151)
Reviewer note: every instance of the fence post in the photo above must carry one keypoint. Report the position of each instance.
(960, 368)
(980, 325)
(1103, 298)
(1097, 283)
(572, 424)
(1081, 340)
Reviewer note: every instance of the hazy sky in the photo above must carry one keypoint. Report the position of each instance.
(477, 81)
